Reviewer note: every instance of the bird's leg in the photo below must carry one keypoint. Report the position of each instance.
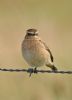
(35, 70)
(30, 71)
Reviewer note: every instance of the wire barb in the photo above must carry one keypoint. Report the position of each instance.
(37, 71)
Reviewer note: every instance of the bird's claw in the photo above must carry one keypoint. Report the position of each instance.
(31, 70)
(35, 70)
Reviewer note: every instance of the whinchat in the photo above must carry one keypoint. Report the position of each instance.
(35, 51)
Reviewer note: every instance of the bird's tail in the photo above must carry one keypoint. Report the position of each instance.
(52, 67)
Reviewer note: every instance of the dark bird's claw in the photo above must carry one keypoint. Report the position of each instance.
(31, 70)
(35, 70)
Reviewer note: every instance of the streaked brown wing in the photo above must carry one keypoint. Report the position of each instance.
(51, 56)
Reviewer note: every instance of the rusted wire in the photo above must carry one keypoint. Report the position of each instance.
(37, 71)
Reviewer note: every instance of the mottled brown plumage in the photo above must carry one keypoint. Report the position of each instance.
(35, 51)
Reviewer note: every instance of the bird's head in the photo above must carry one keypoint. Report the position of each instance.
(32, 32)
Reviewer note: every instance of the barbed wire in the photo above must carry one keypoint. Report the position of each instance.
(30, 70)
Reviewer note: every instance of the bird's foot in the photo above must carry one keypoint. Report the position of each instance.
(35, 70)
(30, 71)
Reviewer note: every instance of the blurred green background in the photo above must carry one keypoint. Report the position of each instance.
(53, 19)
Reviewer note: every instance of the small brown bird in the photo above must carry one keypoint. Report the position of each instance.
(35, 51)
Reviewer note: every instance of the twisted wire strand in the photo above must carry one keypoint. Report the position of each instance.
(37, 71)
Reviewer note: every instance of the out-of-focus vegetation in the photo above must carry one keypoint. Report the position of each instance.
(53, 19)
